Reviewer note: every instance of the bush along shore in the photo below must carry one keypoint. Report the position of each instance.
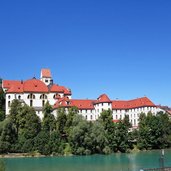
(22, 133)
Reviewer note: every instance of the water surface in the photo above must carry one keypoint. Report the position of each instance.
(118, 162)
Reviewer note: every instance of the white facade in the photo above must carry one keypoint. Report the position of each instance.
(36, 93)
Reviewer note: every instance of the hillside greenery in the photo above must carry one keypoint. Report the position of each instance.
(69, 133)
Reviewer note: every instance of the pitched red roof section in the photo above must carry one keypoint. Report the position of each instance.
(8, 83)
(60, 89)
(56, 89)
(35, 85)
(83, 104)
(66, 91)
(13, 86)
(103, 99)
(169, 112)
(80, 104)
(140, 102)
(16, 89)
(63, 102)
(46, 73)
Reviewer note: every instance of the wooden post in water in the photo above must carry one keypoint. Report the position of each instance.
(162, 159)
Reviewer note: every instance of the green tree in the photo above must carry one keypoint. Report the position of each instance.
(41, 143)
(48, 122)
(107, 121)
(122, 135)
(98, 137)
(61, 121)
(154, 131)
(29, 123)
(2, 105)
(79, 136)
(8, 137)
(15, 112)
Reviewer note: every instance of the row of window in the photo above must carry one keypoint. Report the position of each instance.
(32, 96)
(101, 104)
(133, 110)
(31, 103)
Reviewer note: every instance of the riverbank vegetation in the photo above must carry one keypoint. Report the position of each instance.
(23, 132)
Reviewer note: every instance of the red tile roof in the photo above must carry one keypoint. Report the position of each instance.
(140, 102)
(63, 102)
(66, 91)
(169, 112)
(35, 85)
(56, 89)
(9, 83)
(83, 104)
(80, 104)
(103, 99)
(60, 89)
(16, 89)
(46, 73)
(117, 104)
(13, 86)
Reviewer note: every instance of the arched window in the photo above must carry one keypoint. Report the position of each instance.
(9, 103)
(31, 103)
(43, 96)
(43, 103)
(31, 96)
(9, 97)
(19, 97)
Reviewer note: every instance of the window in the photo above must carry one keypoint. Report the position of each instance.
(31, 103)
(86, 117)
(102, 104)
(91, 117)
(19, 97)
(46, 81)
(116, 116)
(9, 103)
(9, 97)
(31, 96)
(43, 102)
(43, 96)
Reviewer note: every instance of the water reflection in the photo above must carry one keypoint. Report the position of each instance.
(116, 162)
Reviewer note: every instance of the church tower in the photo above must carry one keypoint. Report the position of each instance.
(46, 76)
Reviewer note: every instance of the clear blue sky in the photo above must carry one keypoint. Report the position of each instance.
(122, 48)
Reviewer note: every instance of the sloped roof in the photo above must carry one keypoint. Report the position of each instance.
(46, 73)
(103, 99)
(140, 102)
(57, 89)
(83, 104)
(35, 85)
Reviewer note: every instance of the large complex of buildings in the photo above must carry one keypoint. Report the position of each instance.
(36, 92)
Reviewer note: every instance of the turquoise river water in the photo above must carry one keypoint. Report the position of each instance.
(115, 162)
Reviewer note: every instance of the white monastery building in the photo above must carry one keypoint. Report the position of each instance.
(36, 92)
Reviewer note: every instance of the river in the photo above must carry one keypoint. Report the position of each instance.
(115, 162)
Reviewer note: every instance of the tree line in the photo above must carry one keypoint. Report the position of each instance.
(69, 133)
